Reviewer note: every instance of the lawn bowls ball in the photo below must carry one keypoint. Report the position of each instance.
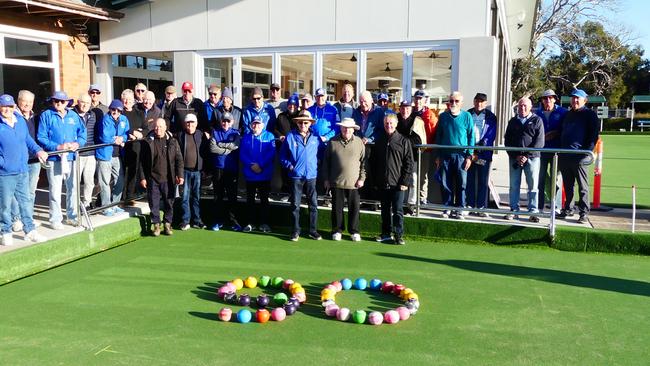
(294, 301)
(277, 282)
(280, 298)
(250, 282)
(403, 312)
(231, 286)
(359, 316)
(327, 294)
(343, 314)
(239, 283)
(413, 306)
(360, 283)
(375, 284)
(223, 290)
(289, 309)
(286, 284)
(387, 287)
(244, 300)
(262, 315)
(225, 314)
(278, 314)
(294, 286)
(264, 281)
(332, 287)
(397, 289)
(244, 316)
(375, 318)
(331, 310)
(391, 317)
(404, 295)
(338, 285)
(301, 296)
(346, 283)
(230, 298)
(327, 302)
(262, 301)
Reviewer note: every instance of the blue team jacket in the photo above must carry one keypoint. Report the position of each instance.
(15, 146)
(108, 130)
(257, 149)
(298, 157)
(54, 130)
(326, 119)
(228, 162)
(266, 113)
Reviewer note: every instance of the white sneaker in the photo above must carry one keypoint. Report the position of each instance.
(336, 236)
(72, 222)
(248, 228)
(185, 227)
(7, 239)
(446, 213)
(17, 226)
(356, 237)
(56, 226)
(35, 237)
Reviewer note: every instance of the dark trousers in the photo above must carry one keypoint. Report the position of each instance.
(191, 197)
(309, 185)
(155, 193)
(454, 180)
(224, 185)
(392, 211)
(130, 161)
(478, 177)
(258, 215)
(339, 195)
(545, 166)
(573, 171)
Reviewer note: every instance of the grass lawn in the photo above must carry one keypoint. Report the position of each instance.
(151, 302)
(626, 162)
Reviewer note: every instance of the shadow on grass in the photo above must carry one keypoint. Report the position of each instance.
(623, 286)
(510, 237)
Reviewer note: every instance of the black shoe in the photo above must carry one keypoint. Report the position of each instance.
(315, 235)
(399, 240)
(384, 238)
(199, 226)
(583, 219)
(408, 210)
(295, 236)
(564, 214)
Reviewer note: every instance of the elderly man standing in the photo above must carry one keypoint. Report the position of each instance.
(211, 116)
(299, 157)
(524, 130)
(94, 91)
(227, 106)
(87, 162)
(326, 117)
(455, 128)
(275, 99)
(369, 118)
(579, 132)
(552, 115)
(485, 131)
(15, 146)
(61, 129)
(344, 172)
(193, 145)
(412, 127)
(113, 129)
(258, 108)
(181, 106)
(346, 105)
(160, 171)
(393, 160)
(166, 102)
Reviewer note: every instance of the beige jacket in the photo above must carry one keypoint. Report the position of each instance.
(344, 164)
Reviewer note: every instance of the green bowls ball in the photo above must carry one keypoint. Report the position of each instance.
(280, 298)
(264, 281)
(359, 316)
(277, 281)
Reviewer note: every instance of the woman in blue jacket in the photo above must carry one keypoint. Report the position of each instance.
(257, 153)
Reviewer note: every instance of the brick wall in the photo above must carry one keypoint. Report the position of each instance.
(75, 67)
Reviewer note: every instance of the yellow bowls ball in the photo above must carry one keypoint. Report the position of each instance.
(239, 284)
(250, 282)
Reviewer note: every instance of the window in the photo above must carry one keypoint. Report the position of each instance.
(256, 72)
(218, 71)
(384, 75)
(297, 74)
(28, 50)
(432, 73)
(339, 69)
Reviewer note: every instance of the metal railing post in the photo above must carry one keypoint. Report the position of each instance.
(417, 184)
(551, 226)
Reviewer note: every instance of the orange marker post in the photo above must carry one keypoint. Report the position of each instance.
(598, 171)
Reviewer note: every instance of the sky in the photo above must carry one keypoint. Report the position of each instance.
(635, 15)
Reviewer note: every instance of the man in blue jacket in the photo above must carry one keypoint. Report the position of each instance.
(258, 107)
(15, 146)
(552, 115)
(478, 175)
(455, 128)
(299, 156)
(224, 149)
(61, 129)
(257, 154)
(114, 130)
(193, 144)
(579, 132)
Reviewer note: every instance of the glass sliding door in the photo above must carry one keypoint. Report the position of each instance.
(256, 71)
(432, 73)
(339, 69)
(384, 75)
(297, 75)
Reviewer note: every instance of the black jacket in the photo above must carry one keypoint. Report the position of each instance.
(392, 161)
(201, 142)
(174, 159)
(579, 132)
(177, 111)
(529, 134)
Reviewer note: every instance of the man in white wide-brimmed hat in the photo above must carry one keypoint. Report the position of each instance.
(344, 173)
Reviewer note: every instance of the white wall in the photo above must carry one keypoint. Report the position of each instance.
(171, 25)
(477, 68)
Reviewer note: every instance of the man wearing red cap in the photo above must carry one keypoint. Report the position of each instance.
(181, 106)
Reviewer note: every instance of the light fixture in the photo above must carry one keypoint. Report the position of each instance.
(519, 25)
(353, 58)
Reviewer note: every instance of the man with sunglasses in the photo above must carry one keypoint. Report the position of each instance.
(181, 106)
(455, 128)
(211, 116)
(96, 104)
(60, 129)
(140, 89)
(258, 107)
(275, 99)
(114, 130)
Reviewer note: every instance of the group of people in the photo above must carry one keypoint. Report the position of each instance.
(348, 150)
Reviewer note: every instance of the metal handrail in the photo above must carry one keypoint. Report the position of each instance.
(555, 152)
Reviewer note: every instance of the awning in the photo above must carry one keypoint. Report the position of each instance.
(641, 99)
(60, 9)
(591, 99)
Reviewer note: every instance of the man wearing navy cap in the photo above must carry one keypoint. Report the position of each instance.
(61, 129)
(478, 175)
(579, 132)
(382, 101)
(15, 146)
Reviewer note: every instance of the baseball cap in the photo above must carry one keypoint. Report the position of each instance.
(187, 86)
(257, 91)
(116, 104)
(320, 92)
(275, 86)
(293, 99)
(579, 93)
(170, 89)
(226, 116)
(549, 93)
(481, 96)
(419, 94)
(94, 87)
(226, 93)
(191, 117)
(405, 103)
(7, 100)
(306, 96)
(257, 119)
(382, 96)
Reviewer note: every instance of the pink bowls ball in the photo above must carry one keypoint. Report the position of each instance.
(231, 286)
(332, 287)
(278, 314)
(286, 284)
(225, 314)
(338, 285)
(331, 310)
(391, 317)
(223, 290)
(375, 318)
(343, 314)
(300, 296)
(403, 312)
(387, 287)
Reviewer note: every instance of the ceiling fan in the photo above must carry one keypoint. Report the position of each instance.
(388, 69)
(433, 55)
(352, 58)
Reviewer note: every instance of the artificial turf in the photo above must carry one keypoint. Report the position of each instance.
(152, 302)
(625, 163)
